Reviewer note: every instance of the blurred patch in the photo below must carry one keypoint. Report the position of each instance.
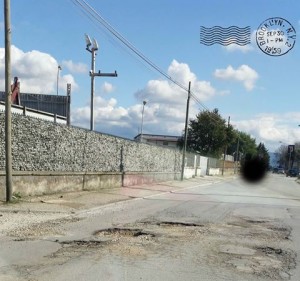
(254, 170)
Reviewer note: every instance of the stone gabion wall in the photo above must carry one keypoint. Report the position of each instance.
(39, 145)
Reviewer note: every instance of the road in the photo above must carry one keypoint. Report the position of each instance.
(221, 230)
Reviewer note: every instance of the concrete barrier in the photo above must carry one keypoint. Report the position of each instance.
(189, 172)
(213, 171)
(198, 172)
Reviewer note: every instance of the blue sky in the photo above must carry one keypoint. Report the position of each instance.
(259, 92)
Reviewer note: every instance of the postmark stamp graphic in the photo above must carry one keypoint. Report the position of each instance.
(275, 36)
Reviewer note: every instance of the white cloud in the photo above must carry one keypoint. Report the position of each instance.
(244, 74)
(243, 49)
(75, 67)
(167, 92)
(165, 109)
(272, 129)
(108, 116)
(235, 47)
(107, 88)
(224, 92)
(67, 79)
(37, 71)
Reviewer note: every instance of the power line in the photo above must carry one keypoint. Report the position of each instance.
(113, 40)
(92, 14)
(95, 17)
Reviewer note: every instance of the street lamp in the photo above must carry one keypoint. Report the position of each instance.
(58, 69)
(144, 103)
(92, 47)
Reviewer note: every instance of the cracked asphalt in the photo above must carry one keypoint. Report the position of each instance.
(209, 228)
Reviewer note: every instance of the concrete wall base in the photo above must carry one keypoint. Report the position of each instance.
(137, 178)
(42, 183)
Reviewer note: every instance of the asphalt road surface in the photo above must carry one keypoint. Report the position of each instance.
(217, 230)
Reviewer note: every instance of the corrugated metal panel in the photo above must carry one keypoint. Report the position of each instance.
(2, 96)
(48, 103)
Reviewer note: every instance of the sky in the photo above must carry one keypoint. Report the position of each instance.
(259, 92)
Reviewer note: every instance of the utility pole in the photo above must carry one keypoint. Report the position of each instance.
(68, 104)
(290, 150)
(8, 151)
(185, 131)
(225, 150)
(237, 155)
(141, 137)
(93, 50)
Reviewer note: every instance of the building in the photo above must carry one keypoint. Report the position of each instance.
(162, 140)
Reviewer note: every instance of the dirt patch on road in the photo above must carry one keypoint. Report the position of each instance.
(42, 229)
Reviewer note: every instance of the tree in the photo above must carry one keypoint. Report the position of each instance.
(208, 134)
(296, 158)
(288, 159)
(283, 157)
(244, 143)
(254, 166)
(263, 154)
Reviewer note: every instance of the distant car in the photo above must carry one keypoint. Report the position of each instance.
(292, 173)
(278, 171)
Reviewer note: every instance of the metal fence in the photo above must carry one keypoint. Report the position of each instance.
(59, 105)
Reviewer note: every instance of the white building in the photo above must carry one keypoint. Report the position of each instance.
(163, 140)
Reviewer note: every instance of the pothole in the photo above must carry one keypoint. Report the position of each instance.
(123, 232)
(271, 251)
(257, 221)
(259, 229)
(283, 232)
(178, 224)
(85, 243)
(243, 246)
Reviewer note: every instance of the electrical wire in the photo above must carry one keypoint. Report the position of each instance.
(94, 16)
(114, 41)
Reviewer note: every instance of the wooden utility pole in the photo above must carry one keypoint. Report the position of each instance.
(185, 131)
(225, 150)
(8, 154)
(237, 155)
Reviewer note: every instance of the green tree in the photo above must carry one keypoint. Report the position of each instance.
(263, 154)
(244, 145)
(209, 133)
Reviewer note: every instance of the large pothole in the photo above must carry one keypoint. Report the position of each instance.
(243, 246)
(178, 224)
(126, 237)
(83, 243)
(123, 232)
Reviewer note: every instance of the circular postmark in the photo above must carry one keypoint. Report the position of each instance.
(275, 36)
